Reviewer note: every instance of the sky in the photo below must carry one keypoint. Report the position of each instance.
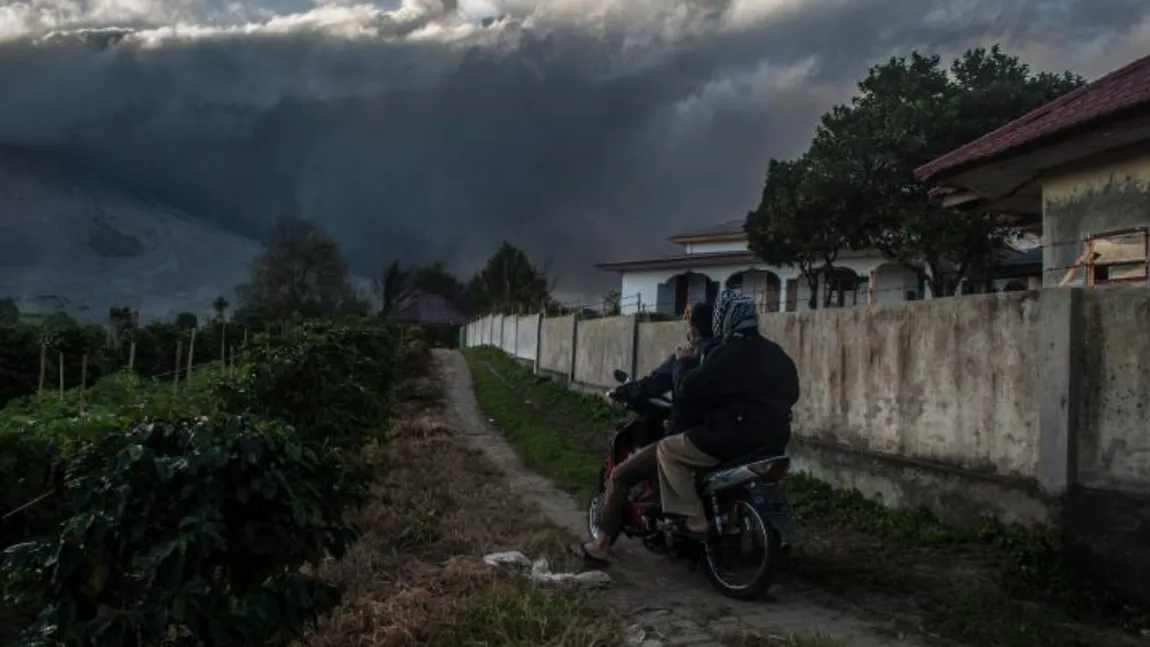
(580, 130)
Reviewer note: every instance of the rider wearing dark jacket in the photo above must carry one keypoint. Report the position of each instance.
(745, 389)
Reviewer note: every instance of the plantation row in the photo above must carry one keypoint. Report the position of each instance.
(23, 346)
(137, 514)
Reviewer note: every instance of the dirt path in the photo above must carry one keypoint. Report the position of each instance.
(671, 600)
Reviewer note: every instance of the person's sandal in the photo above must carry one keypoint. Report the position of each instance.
(590, 562)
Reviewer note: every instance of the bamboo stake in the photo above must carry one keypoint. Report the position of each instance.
(191, 352)
(43, 364)
(131, 357)
(179, 354)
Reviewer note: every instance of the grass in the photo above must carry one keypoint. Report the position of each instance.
(416, 576)
(986, 585)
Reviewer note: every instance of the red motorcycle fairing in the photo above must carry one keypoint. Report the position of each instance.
(623, 445)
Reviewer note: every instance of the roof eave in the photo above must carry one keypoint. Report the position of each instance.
(730, 237)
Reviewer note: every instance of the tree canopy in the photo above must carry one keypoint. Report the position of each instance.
(509, 282)
(9, 311)
(300, 273)
(854, 187)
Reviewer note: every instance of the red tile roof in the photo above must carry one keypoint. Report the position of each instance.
(1122, 90)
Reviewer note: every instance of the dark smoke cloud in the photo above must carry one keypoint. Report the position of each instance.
(582, 130)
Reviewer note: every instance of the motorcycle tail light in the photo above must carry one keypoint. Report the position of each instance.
(771, 471)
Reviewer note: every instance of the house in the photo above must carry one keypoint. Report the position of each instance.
(1081, 164)
(718, 256)
(428, 309)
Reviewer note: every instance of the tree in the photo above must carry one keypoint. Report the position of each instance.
(397, 284)
(391, 287)
(612, 304)
(187, 321)
(804, 220)
(508, 283)
(908, 112)
(301, 273)
(220, 305)
(434, 278)
(9, 311)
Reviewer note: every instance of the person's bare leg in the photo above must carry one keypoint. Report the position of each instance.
(629, 473)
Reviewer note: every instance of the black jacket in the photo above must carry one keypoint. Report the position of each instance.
(664, 378)
(744, 391)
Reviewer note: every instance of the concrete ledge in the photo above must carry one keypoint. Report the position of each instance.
(956, 495)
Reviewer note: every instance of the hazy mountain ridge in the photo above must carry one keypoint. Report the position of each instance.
(71, 243)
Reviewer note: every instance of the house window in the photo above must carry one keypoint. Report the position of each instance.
(1111, 257)
(843, 287)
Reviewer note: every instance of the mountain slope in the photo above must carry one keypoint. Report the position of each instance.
(70, 243)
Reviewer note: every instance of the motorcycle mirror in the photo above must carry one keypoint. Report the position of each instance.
(621, 376)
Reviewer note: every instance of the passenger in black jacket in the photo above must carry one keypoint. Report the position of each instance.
(746, 388)
(642, 464)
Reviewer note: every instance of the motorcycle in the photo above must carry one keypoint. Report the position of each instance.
(747, 510)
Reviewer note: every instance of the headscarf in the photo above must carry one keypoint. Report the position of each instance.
(735, 314)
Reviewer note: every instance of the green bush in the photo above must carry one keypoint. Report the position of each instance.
(192, 529)
(331, 381)
(38, 434)
(185, 515)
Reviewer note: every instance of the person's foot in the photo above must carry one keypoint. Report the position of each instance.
(594, 550)
(593, 555)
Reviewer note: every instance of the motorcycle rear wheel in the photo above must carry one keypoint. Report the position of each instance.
(769, 564)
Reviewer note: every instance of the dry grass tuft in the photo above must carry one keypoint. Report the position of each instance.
(416, 576)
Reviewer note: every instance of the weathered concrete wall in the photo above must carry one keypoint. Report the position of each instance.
(1114, 406)
(657, 339)
(601, 346)
(951, 381)
(1103, 198)
(556, 346)
(526, 335)
(508, 335)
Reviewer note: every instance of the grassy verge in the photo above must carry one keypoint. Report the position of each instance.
(416, 578)
(989, 585)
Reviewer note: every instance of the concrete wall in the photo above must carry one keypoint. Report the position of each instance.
(507, 335)
(951, 381)
(1108, 196)
(601, 346)
(527, 337)
(657, 339)
(556, 344)
(1114, 410)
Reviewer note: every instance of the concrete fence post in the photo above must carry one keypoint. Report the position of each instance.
(516, 344)
(538, 342)
(634, 368)
(1061, 329)
(574, 347)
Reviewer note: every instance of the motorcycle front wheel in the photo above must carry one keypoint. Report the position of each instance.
(750, 546)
